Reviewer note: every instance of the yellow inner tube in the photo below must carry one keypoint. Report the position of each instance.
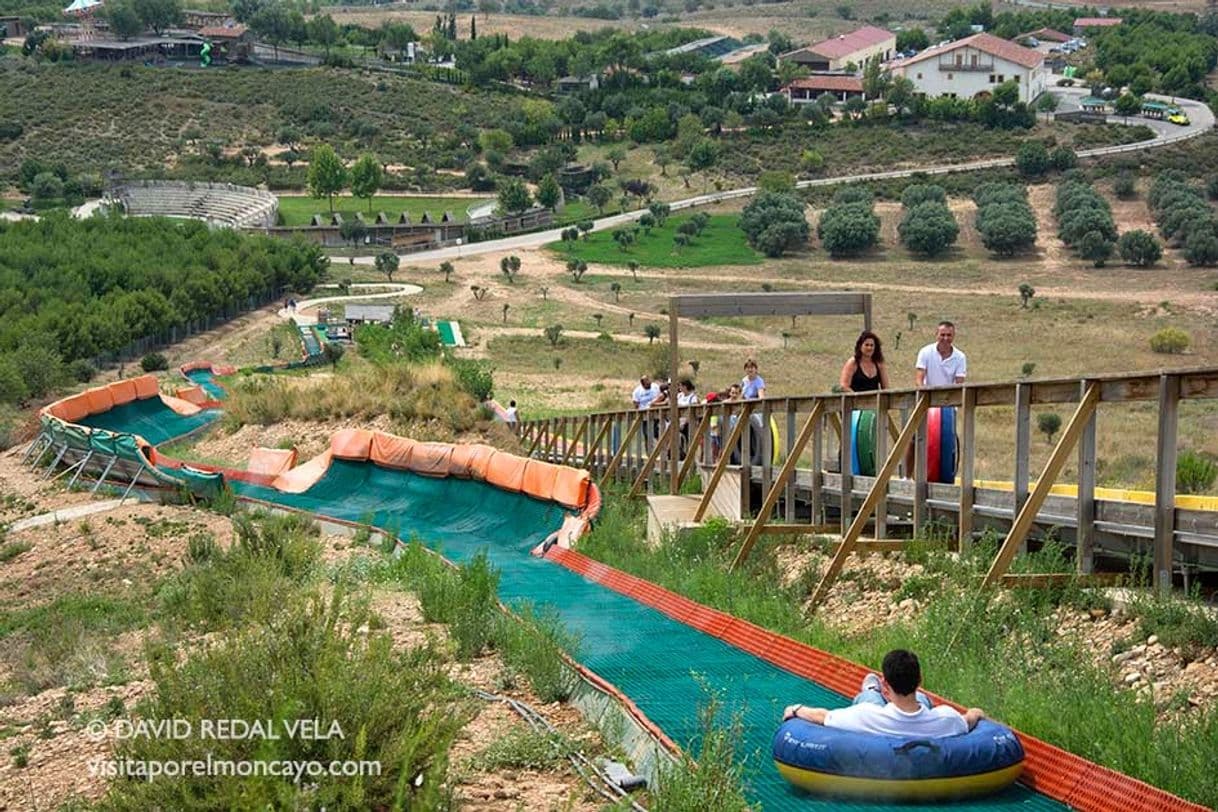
(911, 789)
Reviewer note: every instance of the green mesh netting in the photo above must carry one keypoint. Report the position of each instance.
(652, 659)
(150, 419)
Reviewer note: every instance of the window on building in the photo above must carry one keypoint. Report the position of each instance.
(949, 76)
(1001, 78)
(991, 78)
(919, 76)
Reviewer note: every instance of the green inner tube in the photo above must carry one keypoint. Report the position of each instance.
(866, 442)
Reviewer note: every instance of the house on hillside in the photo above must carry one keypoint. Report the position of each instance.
(233, 43)
(577, 84)
(808, 89)
(972, 67)
(835, 53)
(355, 314)
(1083, 23)
(1045, 35)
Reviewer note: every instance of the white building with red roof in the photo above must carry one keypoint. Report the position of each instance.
(972, 67)
(808, 89)
(837, 52)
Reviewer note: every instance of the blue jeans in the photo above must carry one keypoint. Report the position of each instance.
(871, 694)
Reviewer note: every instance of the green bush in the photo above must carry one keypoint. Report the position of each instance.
(523, 749)
(1169, 340)
(154, 362)
(1063, 158)
(1123, 186)
(534, 646)
(928, 228)
(1195, 473)
(848, 228)
(1032, 159)
(1004, 218)
(774, 223)
(476, 378)
(1139, 248)
(709, 777)
(1177, 622)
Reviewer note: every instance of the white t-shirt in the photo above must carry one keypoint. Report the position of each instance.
(941, 371)
(889, 720)
(643, 397)
(509, 414)
(687, 400)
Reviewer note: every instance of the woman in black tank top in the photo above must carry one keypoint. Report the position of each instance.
(865, 372)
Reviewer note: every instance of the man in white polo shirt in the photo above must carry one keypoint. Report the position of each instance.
(941, 363)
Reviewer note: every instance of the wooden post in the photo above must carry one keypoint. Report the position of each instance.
(1165, 481)
(785, 475)
(580, 430)
(881, 453)
(594, 449)
(767, 447)
(866, 311)
(648, 464)
(746, 466)
(1023, 444)
(968, 456)
(691, 451)
(1018, 534)
(789, 496)
(919, 477)
(873, 496)
(733, 437)
(846, 456)
(535, 431)
(621, 449)
(818, 465)
(1085, 502)
(674, 365)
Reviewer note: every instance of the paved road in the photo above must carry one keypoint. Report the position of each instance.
(396, 290)
(1200, 116)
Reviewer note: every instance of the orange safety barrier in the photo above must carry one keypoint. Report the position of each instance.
(539, 479)
(431, 459)
(193, 394)
(123, 392)
(71, 409)
(391, 451)
(1049, 770)
(506, 471)
(99, 399)
(352, 444)
(571, 487)
(303, 477)
(146, 386)
(458, 463)
(182, 407)
(271, 461)
(479, 462)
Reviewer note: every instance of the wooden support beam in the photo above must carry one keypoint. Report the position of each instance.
(1018, 534)
(1037, 580)
(789, 495)
(1084, 504)
(919, 475)
(1165, 480)
(535, 431)
(881, 452)
(592, 452)
(846, 457)
(798, 530)
(691, 450)
(621, 449)
(916, 417)
(818, 473)
(573, 444)
(876, 545)
(968, 455)
(785, 474)
(649, 463)
(725, 454)
(674, 366)
(1023, 445)
(551, 446)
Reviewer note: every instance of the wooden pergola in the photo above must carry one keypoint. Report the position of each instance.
(702, 305)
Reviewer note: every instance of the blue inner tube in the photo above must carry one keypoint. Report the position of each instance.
(947, 445)
(825, 760)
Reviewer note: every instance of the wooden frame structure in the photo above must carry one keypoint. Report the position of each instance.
(1180, 532)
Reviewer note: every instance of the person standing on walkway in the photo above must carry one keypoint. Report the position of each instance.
(866, 371)
(752, 385)
(941, 363)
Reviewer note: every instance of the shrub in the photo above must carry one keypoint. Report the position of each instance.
(1202, 248)
(1169, 340)
(774, 223)
(1096, 248)
(1004, 219)
(534, 645)
(1123, 186)
(1048, 424)
(1032, 159)
(917, 193)
(714, 778)
(154, 362)
(475, 378)
(1211, 187)
(81, 371)
(1195, 473)
(849, 228)
(853, 193)
(1139, 248)
(929, 228)
(1063, 158)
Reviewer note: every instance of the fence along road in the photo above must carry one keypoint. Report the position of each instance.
(1201, 120)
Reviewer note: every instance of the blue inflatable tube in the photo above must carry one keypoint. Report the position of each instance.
(826, 761)
(947, 445)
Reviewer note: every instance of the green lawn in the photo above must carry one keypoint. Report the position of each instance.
(298, 210)
(721, 243)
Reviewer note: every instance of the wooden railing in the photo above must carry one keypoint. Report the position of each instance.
(634, 446)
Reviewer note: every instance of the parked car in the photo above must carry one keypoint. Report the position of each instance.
(1177, 116)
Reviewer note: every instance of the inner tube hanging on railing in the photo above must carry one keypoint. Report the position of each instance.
(941, 444)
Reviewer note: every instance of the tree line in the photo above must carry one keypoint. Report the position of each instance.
(73, 290)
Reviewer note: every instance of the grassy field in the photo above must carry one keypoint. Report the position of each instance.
(297, 210)
(721, 243)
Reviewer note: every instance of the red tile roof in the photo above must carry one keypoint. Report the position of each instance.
(986, 43)
(837, 84)
(223, 31)
(1096, 22)
(845, 44)
(1047, 34)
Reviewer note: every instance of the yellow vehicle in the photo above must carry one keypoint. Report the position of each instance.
(1177, 116)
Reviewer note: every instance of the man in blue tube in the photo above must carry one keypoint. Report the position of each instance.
(892, 705)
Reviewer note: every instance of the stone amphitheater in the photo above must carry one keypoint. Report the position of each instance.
(218, 204)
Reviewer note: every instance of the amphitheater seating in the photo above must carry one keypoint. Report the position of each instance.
(218, 204)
